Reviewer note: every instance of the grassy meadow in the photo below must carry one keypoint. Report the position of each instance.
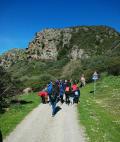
(100, 113)
(17, 112)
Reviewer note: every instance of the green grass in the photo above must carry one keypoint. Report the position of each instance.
(17, 112)
(100, 114)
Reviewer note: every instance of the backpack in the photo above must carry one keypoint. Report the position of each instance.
(67, 89)
(53, 96)
(49, 89)
(76, 93)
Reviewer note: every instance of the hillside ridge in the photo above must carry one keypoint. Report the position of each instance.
(74, 43)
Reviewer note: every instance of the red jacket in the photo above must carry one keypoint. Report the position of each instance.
(43, 93)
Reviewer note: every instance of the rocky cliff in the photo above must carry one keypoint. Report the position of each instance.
(74, 43)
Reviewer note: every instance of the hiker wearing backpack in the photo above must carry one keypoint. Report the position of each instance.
(74, 86)
(70, 92)
(49, 88)
(61, 92)
(53, 99)
(74, 89)
(57, 90)
(44, 95)
(67, 93)
(64, 84)
(76, 96)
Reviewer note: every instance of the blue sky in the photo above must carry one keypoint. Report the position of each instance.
(21, 19)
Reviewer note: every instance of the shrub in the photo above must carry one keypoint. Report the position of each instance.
(41, 81)
(63, 52)
(72, 70)
(114, 66)
(7, 88)
(88, 74)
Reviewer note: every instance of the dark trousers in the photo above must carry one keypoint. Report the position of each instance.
(43, 99)
(67, 98)
(53, 104)
(61, 99)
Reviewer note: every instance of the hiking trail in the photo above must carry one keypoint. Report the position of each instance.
(39, 126)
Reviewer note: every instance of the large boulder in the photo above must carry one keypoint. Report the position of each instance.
(27, 90)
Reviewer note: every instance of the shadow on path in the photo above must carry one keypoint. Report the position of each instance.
(57, 110)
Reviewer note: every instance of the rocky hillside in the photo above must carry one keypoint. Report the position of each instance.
(12, 56)
(73, 43)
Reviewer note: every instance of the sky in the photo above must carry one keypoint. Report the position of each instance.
(21, 19)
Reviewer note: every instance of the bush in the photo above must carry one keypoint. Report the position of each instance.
(7, 88)
(101, 63)
(63, 52)
(114, 66)
(41, 82)
(72, 70)
(96, 62)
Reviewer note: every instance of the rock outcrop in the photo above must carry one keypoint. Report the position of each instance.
(74, 43)
(47, 43)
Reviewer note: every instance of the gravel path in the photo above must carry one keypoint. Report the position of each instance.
(39, 126)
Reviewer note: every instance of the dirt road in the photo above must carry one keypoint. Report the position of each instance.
(39, 126)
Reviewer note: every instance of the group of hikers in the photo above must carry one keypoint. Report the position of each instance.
(65, 91)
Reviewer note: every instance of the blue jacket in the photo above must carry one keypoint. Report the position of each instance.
(61, 90)
(50, 88)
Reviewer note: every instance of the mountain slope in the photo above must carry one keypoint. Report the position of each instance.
(74, 43)
(64, 54)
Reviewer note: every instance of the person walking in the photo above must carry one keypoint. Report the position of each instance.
(67, 94)
(44, 96)
(74, 89)
(61, 92)
(57, 90)
(77, 95)
(53, 99)
(49, 89)
(82, 80)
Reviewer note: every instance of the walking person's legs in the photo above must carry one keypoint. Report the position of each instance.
(71, 100)
(66, 98)
(42, 99)
(61, 99)
(53, 108)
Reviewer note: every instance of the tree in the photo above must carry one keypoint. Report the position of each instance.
(7, 88)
